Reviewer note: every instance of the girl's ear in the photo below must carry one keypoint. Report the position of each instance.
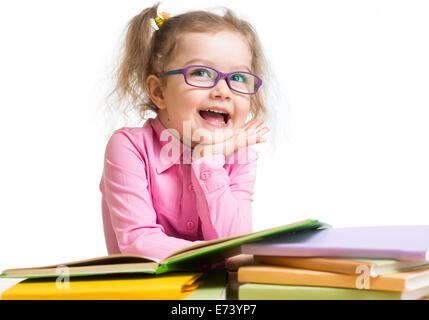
(155, 90)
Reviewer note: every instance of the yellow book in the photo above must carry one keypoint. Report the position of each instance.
(172, 286)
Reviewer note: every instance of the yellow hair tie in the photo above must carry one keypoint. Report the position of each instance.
(160, 20)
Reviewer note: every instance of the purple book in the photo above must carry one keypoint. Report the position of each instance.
(389, 242)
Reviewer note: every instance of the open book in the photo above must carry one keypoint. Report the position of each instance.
(191, 258)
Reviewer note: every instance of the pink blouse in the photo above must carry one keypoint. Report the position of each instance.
(153, 205)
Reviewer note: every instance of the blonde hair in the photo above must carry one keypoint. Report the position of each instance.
(148, 49)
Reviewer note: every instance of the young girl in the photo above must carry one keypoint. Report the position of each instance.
(188, 174)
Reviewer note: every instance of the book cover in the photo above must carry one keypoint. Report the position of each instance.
(385, 242)
(257, 291)
(172, 286)
(213, 286)
(400, 281)
(342, 265)
(193, 258)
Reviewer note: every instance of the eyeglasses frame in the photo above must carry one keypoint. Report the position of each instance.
(221, 75)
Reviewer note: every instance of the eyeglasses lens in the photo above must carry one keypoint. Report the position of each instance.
(206, 78)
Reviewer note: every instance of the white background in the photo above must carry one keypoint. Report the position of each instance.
(354, 114)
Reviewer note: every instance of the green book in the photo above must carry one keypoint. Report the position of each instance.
(213, 287)
(194, 258)
(256, 291)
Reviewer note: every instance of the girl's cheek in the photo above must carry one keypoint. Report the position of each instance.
(242, 112)
(192, 96)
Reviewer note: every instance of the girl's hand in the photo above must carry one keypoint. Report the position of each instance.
(246, 136)
(235, 262)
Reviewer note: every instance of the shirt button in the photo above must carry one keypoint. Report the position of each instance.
(205, 175)
(190, 225)
(191, 188)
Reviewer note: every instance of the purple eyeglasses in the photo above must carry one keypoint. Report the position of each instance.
(206, 77)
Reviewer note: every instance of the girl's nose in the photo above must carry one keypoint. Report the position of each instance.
(221, 90)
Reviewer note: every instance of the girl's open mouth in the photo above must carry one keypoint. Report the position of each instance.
(215, 117)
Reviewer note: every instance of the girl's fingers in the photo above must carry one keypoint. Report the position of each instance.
(253, 124)
(262, 131)
(262, 139)
(249, 138)
(256, 124)
(246, 137)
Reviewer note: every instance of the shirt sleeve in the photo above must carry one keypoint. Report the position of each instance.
(129, 202)
(224, 196)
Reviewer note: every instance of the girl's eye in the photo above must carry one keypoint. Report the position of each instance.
(201, 73)
(239, 77)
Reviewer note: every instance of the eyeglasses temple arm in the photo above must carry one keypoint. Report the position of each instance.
(168, 72)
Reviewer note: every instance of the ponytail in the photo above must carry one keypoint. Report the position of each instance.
(136, 55)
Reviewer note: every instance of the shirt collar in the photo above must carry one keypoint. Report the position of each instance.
(177, 151)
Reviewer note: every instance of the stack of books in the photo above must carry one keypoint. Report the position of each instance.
(303, 260)
(360, 263)
(191, 273)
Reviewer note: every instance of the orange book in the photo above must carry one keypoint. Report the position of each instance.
(341, 265)
(400, 281)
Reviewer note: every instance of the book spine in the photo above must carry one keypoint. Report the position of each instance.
(250, 291)
(162, 269)
(291, 276)
(321, 264)
(300, 250)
